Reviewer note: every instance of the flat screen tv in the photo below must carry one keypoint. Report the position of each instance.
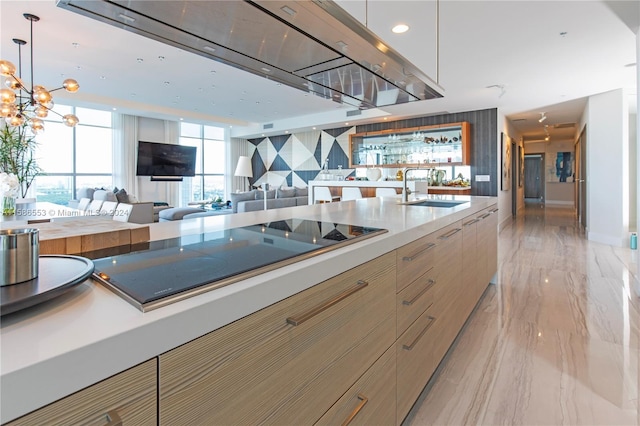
(165, 160)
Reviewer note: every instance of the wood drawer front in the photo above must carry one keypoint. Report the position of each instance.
(414, 259)
(417, 359)
(416, 298)
(372, 400)
(449, 260)
(261, 369)
(487, 243)
(129, 396)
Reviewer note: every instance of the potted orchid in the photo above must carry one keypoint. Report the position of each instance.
(17, 157)
(9, 187)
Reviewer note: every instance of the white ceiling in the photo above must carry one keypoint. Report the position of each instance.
(515, 46)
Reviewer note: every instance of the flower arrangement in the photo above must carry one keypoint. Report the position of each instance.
(17, 156)
(9, 188)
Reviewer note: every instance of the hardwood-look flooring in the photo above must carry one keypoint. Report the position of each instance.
(555, 341)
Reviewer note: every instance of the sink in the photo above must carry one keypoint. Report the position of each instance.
(435, 203)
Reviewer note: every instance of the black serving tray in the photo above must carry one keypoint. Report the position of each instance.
(57, 274)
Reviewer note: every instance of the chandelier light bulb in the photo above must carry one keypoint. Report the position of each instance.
(7, 69)
(41, 111)
(7, 109)
(70, 85)
(7, 96)
(41, 95)
(37, 125)
(70, 120)
(12, 83)
(15, 120)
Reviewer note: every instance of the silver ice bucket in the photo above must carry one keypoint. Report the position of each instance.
(19, 254)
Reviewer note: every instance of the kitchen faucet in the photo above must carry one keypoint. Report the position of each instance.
(405, 196)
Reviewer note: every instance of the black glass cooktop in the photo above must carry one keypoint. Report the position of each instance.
(166, 271)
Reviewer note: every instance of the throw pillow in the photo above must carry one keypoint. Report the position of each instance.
(285, 193)
(115, 189)
(302, 192)
(86, 193)
(122, 196)
(270, 194)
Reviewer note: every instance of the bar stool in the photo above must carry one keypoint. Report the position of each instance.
(322, 194)
(349, 193)
(386, 192)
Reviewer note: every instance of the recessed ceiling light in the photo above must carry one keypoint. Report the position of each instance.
(114, 108)
(346, 124)
(127, 18)
(161, 57)
(563, 33)
(265, 69)
(400, 28)
(314, 128)
(209, 48)
(288, 10)
(75, 44)
(140, 60)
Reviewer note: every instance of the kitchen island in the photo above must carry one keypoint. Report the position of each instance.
(90, 334)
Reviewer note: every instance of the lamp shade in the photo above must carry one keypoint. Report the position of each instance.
(243, 169)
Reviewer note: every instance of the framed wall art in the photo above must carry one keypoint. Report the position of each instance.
(505, 182)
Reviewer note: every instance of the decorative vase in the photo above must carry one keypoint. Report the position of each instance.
(8, 205)
(374, 174)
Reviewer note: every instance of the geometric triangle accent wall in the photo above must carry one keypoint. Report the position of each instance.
(295, 159)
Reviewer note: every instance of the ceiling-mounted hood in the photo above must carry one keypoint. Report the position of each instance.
(314, 46)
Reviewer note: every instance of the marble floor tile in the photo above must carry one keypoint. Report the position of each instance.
(555, 341)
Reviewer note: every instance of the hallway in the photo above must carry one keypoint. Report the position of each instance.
(555, 341)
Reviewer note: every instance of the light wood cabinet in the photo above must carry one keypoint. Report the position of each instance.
(487, 245)
(372, 400)
(288, 363)
(128, 398)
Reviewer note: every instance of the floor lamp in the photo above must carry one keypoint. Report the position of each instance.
(243, 169)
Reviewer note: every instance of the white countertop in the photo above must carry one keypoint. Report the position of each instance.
(88, 334)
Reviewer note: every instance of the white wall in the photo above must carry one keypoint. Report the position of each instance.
(504, 197)
(633, 172)
(607, 117)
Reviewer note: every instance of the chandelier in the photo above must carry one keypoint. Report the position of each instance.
(28, 105)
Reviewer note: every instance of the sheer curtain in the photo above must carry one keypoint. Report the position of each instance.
(125, 142)
(236, 147)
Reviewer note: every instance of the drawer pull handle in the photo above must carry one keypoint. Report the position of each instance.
(409, 347)
(430, 284)
(113, 418)
(471, 222)
(484, 216)
(299, 319)
(493, 211)
(415, 255)
(363, 401)
(449, 234)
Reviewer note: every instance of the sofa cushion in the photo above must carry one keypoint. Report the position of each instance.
(241, 196)
(302, 192)
(285, 193)
(270, 194)
(104, 195)
(86, 193)
(177, 213)
(122, 196)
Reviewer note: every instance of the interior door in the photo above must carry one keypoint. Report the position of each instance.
(533, 165)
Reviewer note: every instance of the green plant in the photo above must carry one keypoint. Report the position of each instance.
(17, 156)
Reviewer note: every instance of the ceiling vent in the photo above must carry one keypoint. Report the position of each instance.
(354, 112)
(563, 125)
(267, 126)
(299, 50)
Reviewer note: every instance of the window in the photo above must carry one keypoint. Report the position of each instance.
(208, 183)
(73, 157)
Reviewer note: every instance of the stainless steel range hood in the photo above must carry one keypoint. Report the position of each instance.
(314, 46)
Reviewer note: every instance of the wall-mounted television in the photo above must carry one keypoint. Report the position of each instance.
(160, 160)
